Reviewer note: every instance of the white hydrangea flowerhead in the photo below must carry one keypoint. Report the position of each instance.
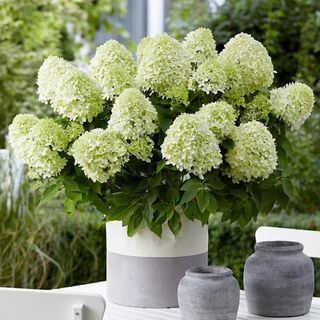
(292, 103)
(20, 127)
(254, 153)
(251, 62)
(47, 133)
(190, 145)
(209, 77)
(36, 142)
(220, 117)
(142, 148)
(257, 109)
(164, 68)
(71, 92)
(200, 45)
(114, 68)
(133, 115)
(100, 153)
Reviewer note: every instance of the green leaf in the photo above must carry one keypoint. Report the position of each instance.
(175, 223)
(108, 26)
(156, 229)
(191, 185)
(74, 195)
(134, 224)
(202, 200)
(160, 165)
(70, 184)
(212, 205)
(188, 196)
(69, 206)
(51, 192)
(268, 200)
(190, 210)
(289, 188)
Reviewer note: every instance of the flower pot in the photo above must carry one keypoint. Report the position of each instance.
(209, 293)
(144, 270)
(279, 279)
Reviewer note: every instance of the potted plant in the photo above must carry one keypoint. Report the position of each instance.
(161, 142)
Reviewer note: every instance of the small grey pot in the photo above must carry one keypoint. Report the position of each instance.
(209, 293)
(279, 279)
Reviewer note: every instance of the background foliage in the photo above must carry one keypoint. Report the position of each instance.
(30, 31)
(289, 30)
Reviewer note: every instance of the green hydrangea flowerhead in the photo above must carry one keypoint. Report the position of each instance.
(47, 133)
(114, 68)
(142, 47)
(190, 145)
(257, 109)
(71, 92)
(142, 148)
(164, 68)
(254, 153)
(133, 115)
(221, 118)
(36, 142)
(292, 103)
(20, 127)
(42, 161)
(200, 45)
(251, 62)
(209, 77)
(100, 153)
(74, 130)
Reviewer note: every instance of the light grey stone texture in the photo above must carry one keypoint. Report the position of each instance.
(148, 282)
(209, 293)
(279, 279)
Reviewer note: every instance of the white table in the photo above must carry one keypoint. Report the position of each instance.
(116, 312)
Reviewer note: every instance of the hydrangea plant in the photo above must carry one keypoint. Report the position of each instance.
(181, 130)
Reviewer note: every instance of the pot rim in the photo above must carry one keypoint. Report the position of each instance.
(209, 272)
(279, 246)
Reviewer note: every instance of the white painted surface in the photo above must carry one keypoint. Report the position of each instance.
(309, 239)
(192, 240)
(156, 19)
(116, 312)
(26, 304)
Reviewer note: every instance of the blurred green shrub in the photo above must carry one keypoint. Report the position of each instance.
(33, 29)
(35, 240)
(230, 245)
(187, 15)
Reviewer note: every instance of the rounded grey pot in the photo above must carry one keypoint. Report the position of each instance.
(209, 293)
(279, 279)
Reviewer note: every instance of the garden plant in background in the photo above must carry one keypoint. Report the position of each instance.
(33, 29)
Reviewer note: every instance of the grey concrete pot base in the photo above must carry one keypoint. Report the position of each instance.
(144, 271)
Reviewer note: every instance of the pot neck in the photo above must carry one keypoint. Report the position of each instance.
(209, 272)
(279, 247)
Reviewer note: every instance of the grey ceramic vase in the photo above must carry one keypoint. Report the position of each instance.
(209, 293)
(279, 280)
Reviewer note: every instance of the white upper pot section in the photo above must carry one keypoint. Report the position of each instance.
(192, 240)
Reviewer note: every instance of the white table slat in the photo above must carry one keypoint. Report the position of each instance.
(116, 312)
